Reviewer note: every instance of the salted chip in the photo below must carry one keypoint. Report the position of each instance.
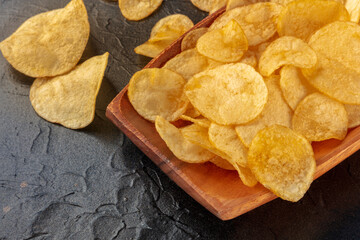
(249, 58)
(337, 71)
(302, 18)
(239, 3)
(164, 32)
(286, 51)
(70, 99)
(257, 20)
(276, 111)
(283, 161)
(353, 7)
(228, 94)
(318, 118)
(189, 63)
(49, 43)
(353, 115)
(190, 39)
(179, 146)
(138, 9)
(227, 44)
(203, 122)
(155, 91)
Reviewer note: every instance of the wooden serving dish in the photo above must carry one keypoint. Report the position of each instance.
(218, 190)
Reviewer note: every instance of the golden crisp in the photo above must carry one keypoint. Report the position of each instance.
(249, 58)
(239, 3)
(257, 20)
(217, 4)
(209, 5)
(286, 51)
(283, 161)
(318, 118)
(228, 94)
(353, 115)
(70, 99)
(155, 91)
(302, 18)
(222, 163)
(203, 122)
(353, 7)
(49, 43)
(138, 9)
(190, 39)
(179, 146)
(227, 44)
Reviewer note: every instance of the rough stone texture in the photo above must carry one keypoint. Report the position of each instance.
(57, 183)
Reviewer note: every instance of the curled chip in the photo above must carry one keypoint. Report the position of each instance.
(189, 63)
(353, 115)
(227, 44)
(337, 72)
(203, 122)
(257, 20)
(222, 163)
(228, 94)
(138, 9)
(239, 3)
(154, 92)
(276, 111)
(190, 39)
(70, 99)
(283, 161)
(286, 51)
(165, 31)
(318, 118)
(49, 43)
(302, 18)
(179, 146)
(353, 7)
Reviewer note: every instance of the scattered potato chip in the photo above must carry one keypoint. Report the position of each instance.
(257, 20)
(179, 146)
(138, 9)
(249, 58)
(70, 99)
(49, 43)
(227, 44)
(222, 163)
(276, 111)
(165, 31)
(155, 91)
(353, 7)
(190, 39)
(283, 161)
(353, 115)
(203, 122)
(231, 4)
(286, 51)
(228, 94)
(337, 71)
(318, 118)
(302, 18)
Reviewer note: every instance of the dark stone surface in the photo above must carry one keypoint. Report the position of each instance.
(57, 183)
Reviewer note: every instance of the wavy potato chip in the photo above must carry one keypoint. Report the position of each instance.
(302, 18)
(283, 161)
(155, 91)
(353, 115)
(178, 145)
(203, 122)
(227, 44)
(258, 21)
(190, 39)
(231, 4)
(318, 118)
(337, 73)
(70, 99)
(49, 43)
(138, 9)
(353, 7)
(228, 94)
(286, 51)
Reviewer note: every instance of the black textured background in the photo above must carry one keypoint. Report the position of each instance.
(57, 183)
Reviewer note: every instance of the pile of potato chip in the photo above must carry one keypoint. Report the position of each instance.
(47, 47)
(257, 87)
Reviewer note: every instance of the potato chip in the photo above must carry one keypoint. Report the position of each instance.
(353, 7)
(179, 146)
(257, 20)
(49, 43)
(217, 4)
(353, 115)
(203, 122)
(302, 18)
(231, 4)
(286, 51)
(337, 72)
(283, 161)
(190, 39)
(249, 58)
(228, 94)
(191, 111)
(286, 2)
(318, 118)
(155, 91)
(165, 31)
(204, 5)
(70, 99)
(227, 44)
(138, 9)
(222, 163)
(276, 111)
